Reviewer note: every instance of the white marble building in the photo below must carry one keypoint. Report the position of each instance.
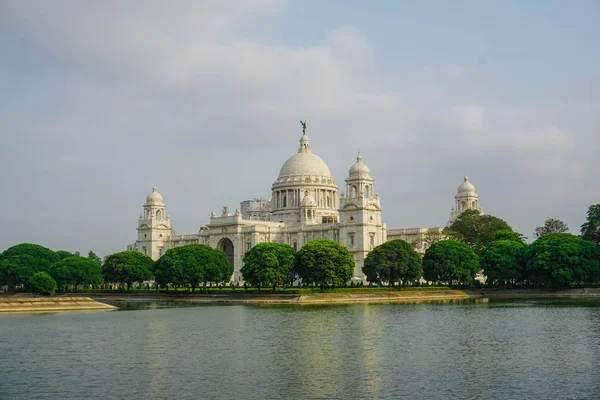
(305, 204)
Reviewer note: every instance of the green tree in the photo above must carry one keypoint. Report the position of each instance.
(475, 229)
(76, 270)
(503, 262)
(43, 256)
(269, 264)
(126, 267)
(393, 261)
(191, 265)
(324, 262)
(64, 254)
(508, 234)
(42, 283)
(551, 225)
(590, 230)
(450, 261)
(16, 270)
(218, 269)
(92, 256)
(558, 260)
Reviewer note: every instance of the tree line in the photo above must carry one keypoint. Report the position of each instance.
(38, 269)
(473, 243)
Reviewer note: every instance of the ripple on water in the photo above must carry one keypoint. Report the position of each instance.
(494, 350)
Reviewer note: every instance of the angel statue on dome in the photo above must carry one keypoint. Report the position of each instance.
(303, 127)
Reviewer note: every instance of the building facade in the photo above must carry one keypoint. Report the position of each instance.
(305, 204)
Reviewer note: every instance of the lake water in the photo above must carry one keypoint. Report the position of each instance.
(460, 350)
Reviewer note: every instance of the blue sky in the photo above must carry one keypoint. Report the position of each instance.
(102, 100)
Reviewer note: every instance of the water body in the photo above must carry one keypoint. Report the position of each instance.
(461, 350)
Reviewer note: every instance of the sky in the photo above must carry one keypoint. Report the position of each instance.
(99, 101)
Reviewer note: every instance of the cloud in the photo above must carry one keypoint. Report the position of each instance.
(470, 118)
(124, 95)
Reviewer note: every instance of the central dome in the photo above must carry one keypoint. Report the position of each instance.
(304, 164)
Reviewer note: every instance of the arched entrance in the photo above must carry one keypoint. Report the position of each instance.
(226, 245)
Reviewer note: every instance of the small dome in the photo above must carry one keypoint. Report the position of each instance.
(359, 169)
(154, 197)
(466, 186)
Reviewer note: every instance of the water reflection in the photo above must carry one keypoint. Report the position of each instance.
(499, 349)
(155, 352)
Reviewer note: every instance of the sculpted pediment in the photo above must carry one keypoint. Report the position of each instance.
(373, 207)
(350, 206)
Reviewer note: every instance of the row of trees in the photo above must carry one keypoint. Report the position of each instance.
(555, 259)
(20, 263)
(320, 262)
(473, 243)
(42, 270)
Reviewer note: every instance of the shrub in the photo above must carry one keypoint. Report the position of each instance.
(42, 283)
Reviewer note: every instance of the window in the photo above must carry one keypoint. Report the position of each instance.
(372, 238)
(160, 251)
(248, 246)
(284, 201)
(351, 239)
(295, 245)
(351, 219)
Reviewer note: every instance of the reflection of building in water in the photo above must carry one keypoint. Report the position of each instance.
(305, 204)
(155, 352)
(372, 342)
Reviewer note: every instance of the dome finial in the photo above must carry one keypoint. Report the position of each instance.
(154, 188)
(358, 156)
(304, 142)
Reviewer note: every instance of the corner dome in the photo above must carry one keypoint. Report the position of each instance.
(466, 186)
(154, 197)
(359, 169)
